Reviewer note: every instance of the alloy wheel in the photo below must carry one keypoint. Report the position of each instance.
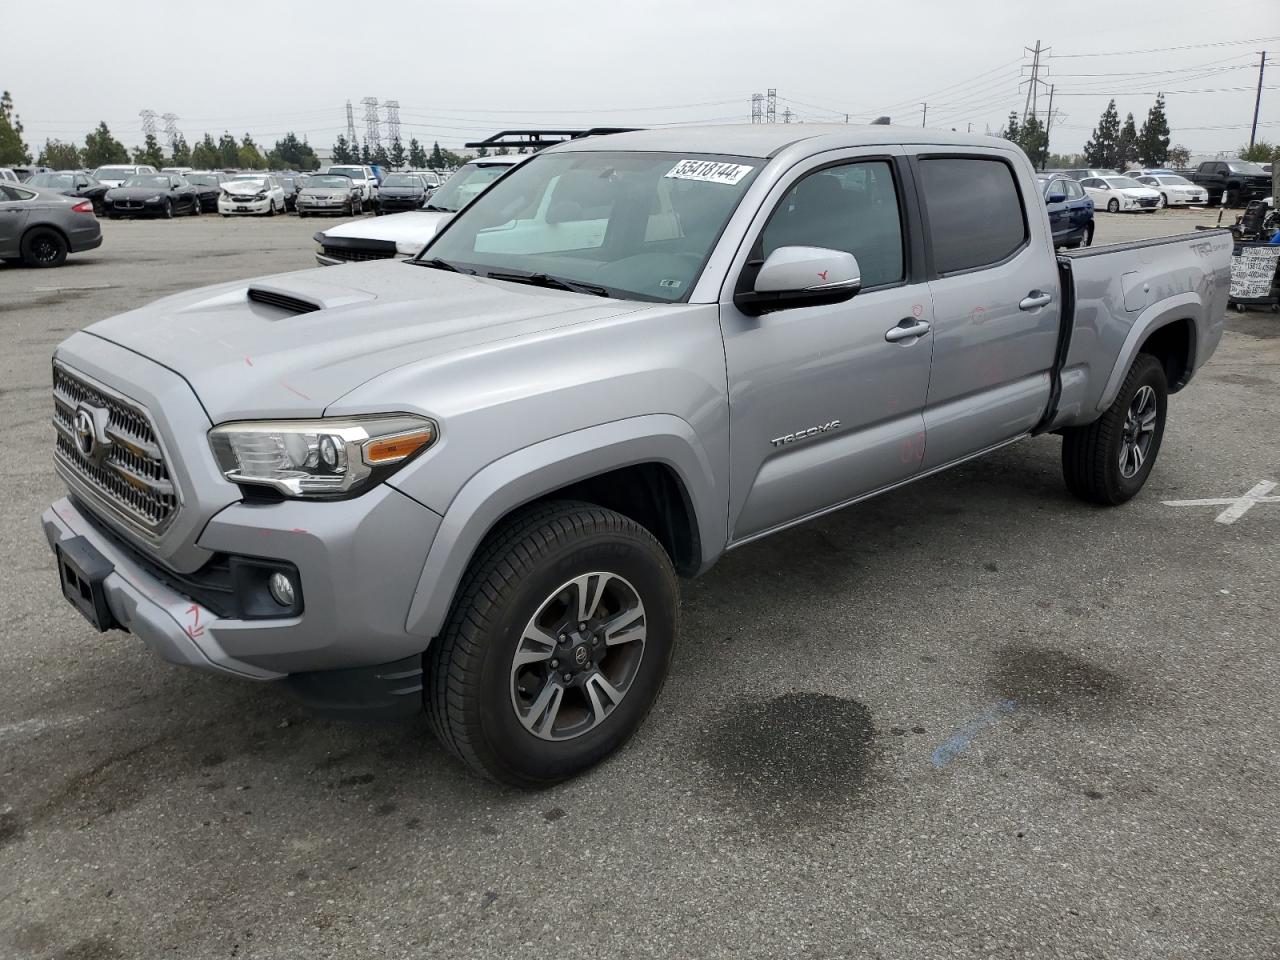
(44, 249)
(578, 656)
(1138, 432)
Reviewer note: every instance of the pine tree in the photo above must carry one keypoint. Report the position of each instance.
(417, 156)
(149, 152)
(365, 156)
(380, 156)
(181, 152)
(1012, 130)
(1101, 150)
(1179, 156)
(12, 149)
(1033, 140)
(397, 155)
(249, 156)
(1127, 144)
(205, 154)
(341, 150)
(437, 158)
(228, 151)
(59, 155)
(1153, 141)
(100, 147)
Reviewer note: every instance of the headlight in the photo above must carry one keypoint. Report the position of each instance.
(319, 458)
(156, 199)
(224, 195)
(262, 196)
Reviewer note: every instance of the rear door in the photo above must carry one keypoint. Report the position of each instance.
(14, 206)
(994, 287)
(823, 408)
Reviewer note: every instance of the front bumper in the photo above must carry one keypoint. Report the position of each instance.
(399, 204)
(243, 206)
(358, 561)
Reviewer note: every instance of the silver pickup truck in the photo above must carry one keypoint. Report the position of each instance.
(467, 482)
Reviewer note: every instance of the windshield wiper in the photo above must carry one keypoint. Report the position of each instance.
(437, 264)
(554, 283)
(432, 206)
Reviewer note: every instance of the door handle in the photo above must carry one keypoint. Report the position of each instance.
(1035, 299)
(908, 329)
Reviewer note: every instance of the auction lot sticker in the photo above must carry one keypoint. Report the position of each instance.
(709, 171)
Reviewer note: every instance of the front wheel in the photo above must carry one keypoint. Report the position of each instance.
(1109, 460)
(557, 645)
(1164, 201)
(167, 212)
(1113, 206)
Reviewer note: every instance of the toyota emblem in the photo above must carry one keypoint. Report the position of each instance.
(580, 656)
(86, 437)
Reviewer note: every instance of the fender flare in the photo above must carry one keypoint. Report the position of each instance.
(535, 471)
(1183, 306)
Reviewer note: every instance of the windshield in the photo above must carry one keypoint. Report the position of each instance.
(113, 173)
(464, 186)
(1174, 180)
(635, 225)
(203, 179)
(354, 173)
(150, 180)
(1251, 168)
(332, 183)
(1123, 183)
(401, 180)
(248, 182)
(54, 181)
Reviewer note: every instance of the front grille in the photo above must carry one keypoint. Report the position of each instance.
(358, 253)
(131, 476)
(1148, 203)
(243, 199)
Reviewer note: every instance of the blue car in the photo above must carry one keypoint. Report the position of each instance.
(1070, 211)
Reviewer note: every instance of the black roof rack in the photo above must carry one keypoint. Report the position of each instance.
(537, 139)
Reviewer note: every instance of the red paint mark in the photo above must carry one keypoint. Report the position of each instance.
(299, 530)
(912, 448)
(295, 391)
(248, 361)
(978, 315)
(823, 274)
(917, 310)
(193, 628)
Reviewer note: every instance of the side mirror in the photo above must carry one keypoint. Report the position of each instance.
(801, 277)
(1057, 198)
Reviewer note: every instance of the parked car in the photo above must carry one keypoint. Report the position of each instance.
(8, 176)
(467, 483)
(1090, 172)
(1175, 191)
(290, 183)
(152, 195)
(324, 193)
(258, 195)
(180, 171)
(399, 192)
(1233, 183)
(73, 183)
(1070, 212)
(405, 234)
(1148, 172)
(1116, 194)
(208, 186)
(362, 176)
(40, 227)
(113, 175)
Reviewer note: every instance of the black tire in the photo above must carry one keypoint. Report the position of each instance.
(469, 696)
(1113, 205)
(167, 212)
(44, 247)
(1164, 201)
(195, 206)
(1088, 236)
(1231, 198)
(1091, 454)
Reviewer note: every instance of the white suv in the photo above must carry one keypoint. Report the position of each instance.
(363, 177)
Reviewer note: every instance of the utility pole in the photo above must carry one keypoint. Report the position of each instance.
(1257, 102)
(787, 115)
(148, 122)
(757, 108)
(372, 127)
(771, 107)
(1048, 125)
(351, 125)
(924, 114)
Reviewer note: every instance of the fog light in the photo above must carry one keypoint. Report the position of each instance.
(281, 588)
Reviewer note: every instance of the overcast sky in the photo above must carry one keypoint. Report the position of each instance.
(462, 70)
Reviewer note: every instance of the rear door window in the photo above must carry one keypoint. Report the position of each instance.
(976, 216)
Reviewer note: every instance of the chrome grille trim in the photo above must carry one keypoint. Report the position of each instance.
(132, 482)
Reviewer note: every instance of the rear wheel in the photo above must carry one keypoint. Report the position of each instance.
(1109, 460)
(43, 247)
(557, 646)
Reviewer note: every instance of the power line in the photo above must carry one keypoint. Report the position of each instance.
(1189, 46)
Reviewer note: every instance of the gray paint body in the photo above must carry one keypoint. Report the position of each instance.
(534, 389)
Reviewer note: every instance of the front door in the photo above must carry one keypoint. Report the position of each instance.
(14, 203)
(824, 408)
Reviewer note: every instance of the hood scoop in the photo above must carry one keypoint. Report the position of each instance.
(306, 297)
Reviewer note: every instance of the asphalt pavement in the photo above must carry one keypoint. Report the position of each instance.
(971, 718)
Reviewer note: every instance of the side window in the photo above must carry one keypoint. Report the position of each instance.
(8, 192)
(851, 207)
(1074, 190)
(975, 212)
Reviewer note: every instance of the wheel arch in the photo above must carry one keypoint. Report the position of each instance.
(652, 469)
(1169, 330)
(44, 225)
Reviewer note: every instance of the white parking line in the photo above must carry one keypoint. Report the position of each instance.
(1237, 507)
(83, 286)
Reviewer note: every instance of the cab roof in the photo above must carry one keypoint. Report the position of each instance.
(769, 139)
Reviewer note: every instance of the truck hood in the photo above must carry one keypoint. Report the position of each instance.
(308, 338)
(407, 230)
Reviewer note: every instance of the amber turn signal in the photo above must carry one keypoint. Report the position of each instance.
(394, 449)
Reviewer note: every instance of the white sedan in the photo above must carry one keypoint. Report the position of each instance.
(1114, 194)
(1175, 191)
(263, 196)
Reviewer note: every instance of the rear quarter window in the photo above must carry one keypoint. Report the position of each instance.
(976, 214)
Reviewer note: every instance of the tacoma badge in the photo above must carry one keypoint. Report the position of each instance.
(805, 434)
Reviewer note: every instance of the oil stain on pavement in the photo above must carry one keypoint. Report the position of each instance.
(1054, 682)
(786, 757)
